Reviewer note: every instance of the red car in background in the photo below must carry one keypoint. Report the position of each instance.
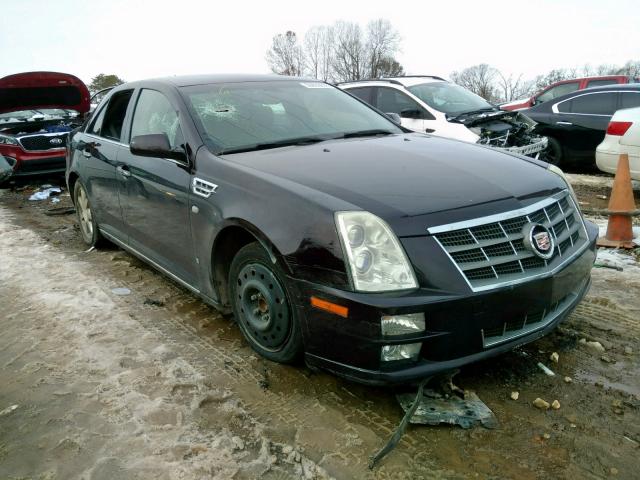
(37, 112)
(567, 86)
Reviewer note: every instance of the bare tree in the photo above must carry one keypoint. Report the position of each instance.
(286, 57)
(349, 52)
(632, 68)
(479, 79)
(513, 88)
(382, 44)
(318, 50)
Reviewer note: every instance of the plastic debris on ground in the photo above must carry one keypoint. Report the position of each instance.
(546, 369)
(45, 193)
(450, 405)
(121, 291)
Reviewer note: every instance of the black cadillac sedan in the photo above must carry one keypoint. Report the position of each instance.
(329, 231)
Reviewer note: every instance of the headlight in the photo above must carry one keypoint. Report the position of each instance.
(376, 260)
(5, 140)
(560, 173)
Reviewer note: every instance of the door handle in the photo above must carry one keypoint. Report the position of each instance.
(124, 171)
(86, 151)
(564, 123)
(429, 130)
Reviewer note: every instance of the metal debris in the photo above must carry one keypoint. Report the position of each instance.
(444, 403)
(546, 369)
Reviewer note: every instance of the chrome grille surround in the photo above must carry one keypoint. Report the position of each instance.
(489, 251)
(41, 142)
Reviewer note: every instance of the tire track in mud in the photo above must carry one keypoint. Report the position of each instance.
(283, 411)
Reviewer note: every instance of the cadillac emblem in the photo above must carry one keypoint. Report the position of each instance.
(538, 239)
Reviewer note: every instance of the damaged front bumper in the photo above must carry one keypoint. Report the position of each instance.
(532, 150)
(457, 325)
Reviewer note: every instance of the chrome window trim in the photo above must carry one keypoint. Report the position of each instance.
(106, 139)
(505, 216)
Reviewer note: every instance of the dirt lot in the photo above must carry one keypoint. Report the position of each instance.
(155, 384)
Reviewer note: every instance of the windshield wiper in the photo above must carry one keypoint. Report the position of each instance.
(366, 133)
(267, 145)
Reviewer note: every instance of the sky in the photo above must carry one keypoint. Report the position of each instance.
(139, 39)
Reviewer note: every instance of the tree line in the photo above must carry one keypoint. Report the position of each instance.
(496, 87)
(340, 52)
(345, 52)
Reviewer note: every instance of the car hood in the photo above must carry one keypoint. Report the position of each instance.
(413, 181)
(34, 90)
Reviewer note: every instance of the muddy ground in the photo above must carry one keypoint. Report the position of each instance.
(156, 384)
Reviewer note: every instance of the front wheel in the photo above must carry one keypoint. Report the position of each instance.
(88, 225)
(262, 305)
(553, 153)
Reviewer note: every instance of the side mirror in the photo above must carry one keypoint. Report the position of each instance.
(415, 113)
(394, 117)
(156, 145)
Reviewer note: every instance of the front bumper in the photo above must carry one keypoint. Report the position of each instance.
(461, 328)
(35, 163)
(528, 150)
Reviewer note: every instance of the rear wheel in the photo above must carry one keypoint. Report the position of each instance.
(553, 153)
(262, 305)
(88, 225)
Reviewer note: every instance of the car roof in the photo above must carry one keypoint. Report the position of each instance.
(405, 81)
(205, 79)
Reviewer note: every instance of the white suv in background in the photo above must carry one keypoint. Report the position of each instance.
(623, 136)
(429, 104)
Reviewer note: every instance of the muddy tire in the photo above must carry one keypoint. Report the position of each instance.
(553, 154)
(87, 220)
(262, 305)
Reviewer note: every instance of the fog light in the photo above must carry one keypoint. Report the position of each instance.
(393, 325)
(407, 351)
(402, 324)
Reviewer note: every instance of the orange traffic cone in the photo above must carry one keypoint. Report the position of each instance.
(621, 206)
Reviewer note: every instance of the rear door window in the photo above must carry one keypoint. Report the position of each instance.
(594, 104)
(601, 83)
(115, 112)
(629, 99)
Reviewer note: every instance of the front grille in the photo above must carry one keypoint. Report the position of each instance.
(530, 322)
(491, 252)
(44, 141)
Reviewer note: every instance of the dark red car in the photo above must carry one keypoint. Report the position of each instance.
(37, 112)
(567, 86)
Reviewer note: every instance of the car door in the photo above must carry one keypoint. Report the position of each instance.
(99, 145)
(584, 119)
(392, 100)
(156, 191)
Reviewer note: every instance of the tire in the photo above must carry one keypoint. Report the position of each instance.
(262, 305)
(553, 154)
(88, 226)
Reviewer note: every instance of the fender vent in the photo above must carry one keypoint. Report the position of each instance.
(203, 188)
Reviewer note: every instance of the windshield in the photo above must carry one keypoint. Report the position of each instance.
(252, 115)
(449, 98)
(37, 115)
